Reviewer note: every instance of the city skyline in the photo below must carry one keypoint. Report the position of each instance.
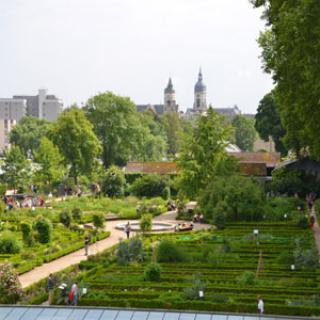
(80, 48)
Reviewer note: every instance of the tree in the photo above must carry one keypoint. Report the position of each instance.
(116, 124)
(114, 182)
(28, 133)
(74, 136)
(44, 228)
(16, 168)
(245, 132)
(268, 122)
(290, 52)
(203, 156)
(50, 161)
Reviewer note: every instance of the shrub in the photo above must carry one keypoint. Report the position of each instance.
(305, 258)
(98, 220)
(77, 214)
(168, 251)
(152, 272)
(192, 293)
(44, 229)
(114, 182)
(123, 254)
(10, 288)
(9, 243)
(219, 215)
(65, 218)
(130, 251)
(150, 185)
(146, 222)
(27, 235)
(247, 278)
(303, 222)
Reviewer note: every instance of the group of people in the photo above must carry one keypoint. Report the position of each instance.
(23, 202)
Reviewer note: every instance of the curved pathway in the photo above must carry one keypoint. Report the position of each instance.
(76, 257)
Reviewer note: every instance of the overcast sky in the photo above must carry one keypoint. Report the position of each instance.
(77, 48)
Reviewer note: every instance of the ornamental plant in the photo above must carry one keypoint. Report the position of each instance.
(152, 272)
(10, 287)
(44, 228)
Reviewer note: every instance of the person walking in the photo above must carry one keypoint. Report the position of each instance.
(260, 305)
(127, 229)
(86, 244)
(50, 288)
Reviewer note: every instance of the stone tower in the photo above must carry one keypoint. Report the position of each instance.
(200, 95)
(170, 98)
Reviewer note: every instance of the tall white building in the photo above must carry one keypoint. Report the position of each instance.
(12, 109)
(43, 106)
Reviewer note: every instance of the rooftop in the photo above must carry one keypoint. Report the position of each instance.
(82, 313)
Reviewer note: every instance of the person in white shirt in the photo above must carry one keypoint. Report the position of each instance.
(260, 306)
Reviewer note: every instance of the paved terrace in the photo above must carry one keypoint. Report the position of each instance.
(82, 313)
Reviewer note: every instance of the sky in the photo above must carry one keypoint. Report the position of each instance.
(78, 48)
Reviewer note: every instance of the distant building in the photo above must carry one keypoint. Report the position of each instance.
(200, 95)
(42, 106)
(12, 109)
(6, 125)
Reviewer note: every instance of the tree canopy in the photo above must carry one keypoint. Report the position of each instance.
(74, 136)
(290, 52)
(27, 134)
(268, 122)
(245, 132)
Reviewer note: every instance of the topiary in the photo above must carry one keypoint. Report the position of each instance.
(44, 228)
(98, 220)
(9, 243)
(152, 272)
(65, 218)
(27, 235)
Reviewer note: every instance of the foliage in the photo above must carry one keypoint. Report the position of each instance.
(220, 214)
(146, 222)
(152, 272)
(237, 197)
(27, 134)
(98, 220)
(74, 136)
(44, 228)
(268, 122)
(247, 278)
(130, 251)
(203, 156)
(27, 235)
(48, 157)
(245, 132)
(77, 214)
(9, 243)
(65, 218)
(192, 293)
(10, 288)
(150, 185)
(290, 53)
(305, 258)
(16, 168)
(117, 126)
(114, 182)
(168, 251)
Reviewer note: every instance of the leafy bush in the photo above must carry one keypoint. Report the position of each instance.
(130, 251)
(152, 272)
(305, 258)
(220, 214)
(192, 293)
(150, 185)
(146, 222)
(44, 228)
(65, 218)
(10, 288)
(168, 251)
(247, 278)
(9, 243)
(98, 220)
(77, 214)
(114, 182)
(27, 235)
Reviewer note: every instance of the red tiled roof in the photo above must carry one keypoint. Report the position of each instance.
(271, 159)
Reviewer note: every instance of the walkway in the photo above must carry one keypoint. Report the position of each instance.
(76, 257)
(316, 229)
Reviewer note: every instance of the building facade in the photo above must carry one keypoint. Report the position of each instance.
(200, 95)
(12, 109)
(42, 106)
(6, 125)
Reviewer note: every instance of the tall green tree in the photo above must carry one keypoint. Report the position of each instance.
(290, 52)
(28, 133)
(245, 132)
(202, 156)
(50, 162)
(117, 126)
(16, 168)
(268, 122)
(77, 143)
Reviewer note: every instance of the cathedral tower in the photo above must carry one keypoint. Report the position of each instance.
(200, 95)
(170, 98)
